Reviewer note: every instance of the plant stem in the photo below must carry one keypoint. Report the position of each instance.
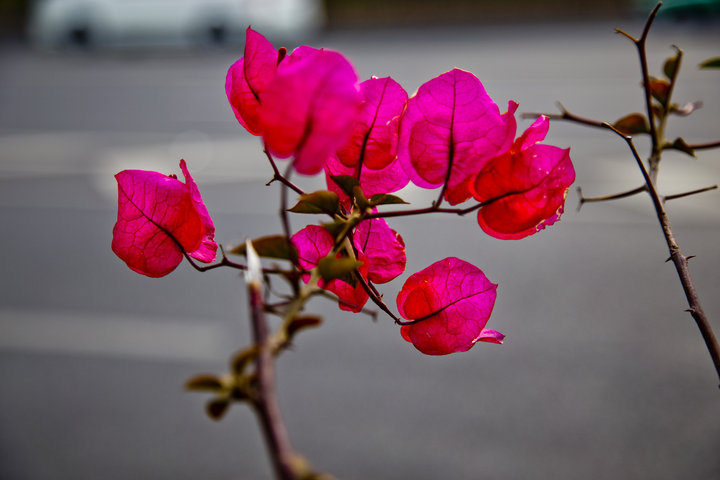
(679, 260)
(705, 146)
(266, 405)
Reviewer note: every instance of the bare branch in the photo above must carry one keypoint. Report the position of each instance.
(679, 260)
(687, 194)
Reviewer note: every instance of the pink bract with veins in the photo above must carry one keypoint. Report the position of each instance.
(383, 247)
(452, 123)
(373, 142)
(526, 186)
(309, 107)
(452, 301)
(313, 243)
(247, 78)
(159, 218)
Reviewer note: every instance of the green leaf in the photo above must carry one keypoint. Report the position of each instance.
(270, 246)
(341, 268)
(632, 124)
(217, 407)
(360, 199)
(204, 383)
(680, 144)
(670, 67)
(711, 63)
(346, 183)
(302, 323)
(334, 228)
(386, 199)
(322, 201)
(243, 358)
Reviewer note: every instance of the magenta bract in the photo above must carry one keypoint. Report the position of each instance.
(159, 218)
(454, 300)
(373, 142)
(247, 78)
(309, 107)
(526, 186)
(383, 247)
(313, 243)
(452, 123)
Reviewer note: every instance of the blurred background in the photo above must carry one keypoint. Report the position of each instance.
(602, 374)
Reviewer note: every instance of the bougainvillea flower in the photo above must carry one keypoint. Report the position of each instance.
(452, 123)
(386, 180)
(383, 247)
(373, 142)
(491, 336)
(453, 300)
(313, 243)
(309, 107)
(526, 186)
(247, 78)
(159, 219)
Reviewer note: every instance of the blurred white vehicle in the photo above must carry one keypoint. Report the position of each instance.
(105, 22)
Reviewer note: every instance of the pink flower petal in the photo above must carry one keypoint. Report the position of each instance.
(313, 243)
(309, 107)
(383, 247)
(207, 250)
(159, 218)
(373, 142)
(490, 336)
(247, 78)
(454, 299)
(451, 122)
(529, 185)
(535, 133)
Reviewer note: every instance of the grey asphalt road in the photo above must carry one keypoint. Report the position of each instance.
(602, 374)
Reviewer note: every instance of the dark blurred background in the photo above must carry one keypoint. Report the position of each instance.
(602, 374)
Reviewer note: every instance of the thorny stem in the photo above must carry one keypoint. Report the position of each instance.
(679, 260)
(655, 133)
(280, 177)
(376, 299)
(564, 115)
(434, 208)
(604, 198)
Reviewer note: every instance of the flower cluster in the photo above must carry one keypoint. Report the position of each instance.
(309, 106)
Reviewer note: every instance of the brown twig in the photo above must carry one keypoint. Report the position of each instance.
(655, 133)
(282, 455)
(565, 115)
(605, 198)
(665, 198)
(434, 208)
(705, 146)
(375, 298)
(679, 260)
(277, 176)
